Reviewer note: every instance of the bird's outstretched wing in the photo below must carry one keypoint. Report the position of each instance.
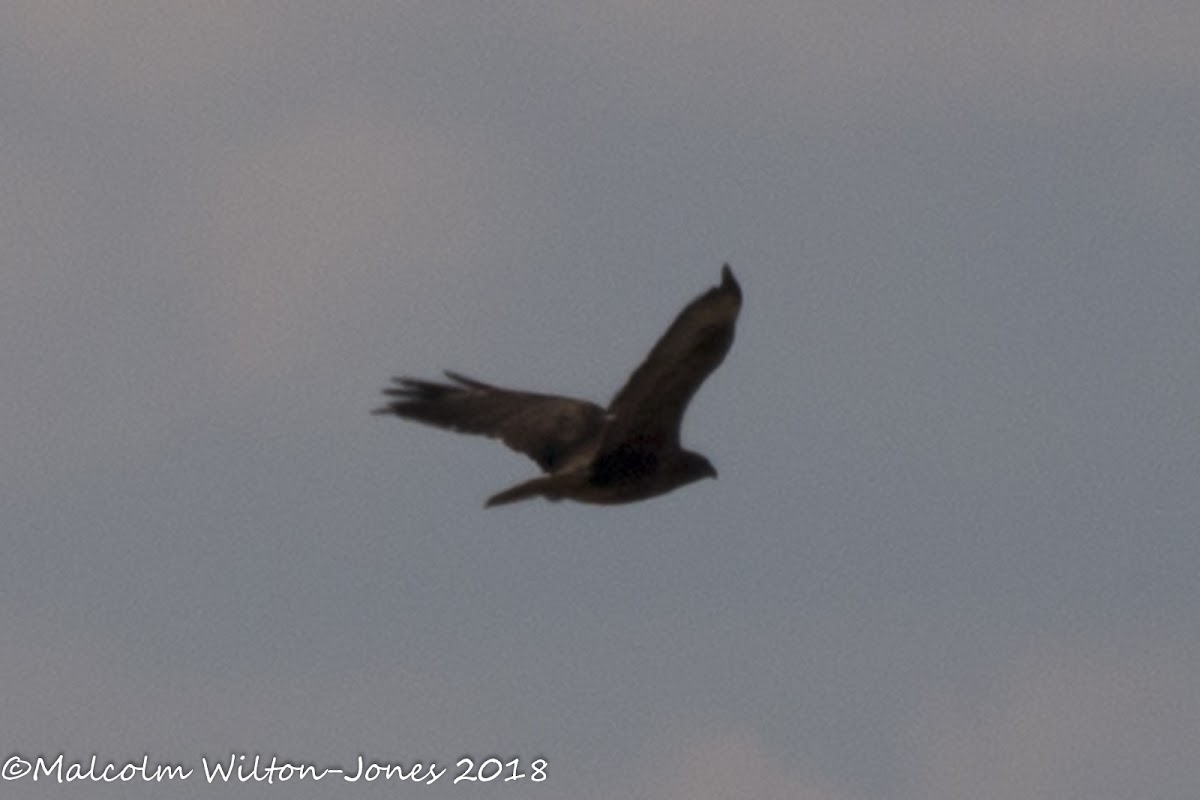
(548, 429)
(648, 410)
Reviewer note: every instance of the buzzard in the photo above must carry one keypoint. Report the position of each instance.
(626, 453)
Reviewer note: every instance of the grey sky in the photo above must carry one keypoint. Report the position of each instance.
(953, 549)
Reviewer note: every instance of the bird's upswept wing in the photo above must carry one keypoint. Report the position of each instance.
(547, 428)
(649, 408)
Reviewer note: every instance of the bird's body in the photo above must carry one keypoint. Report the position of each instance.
(627, 452)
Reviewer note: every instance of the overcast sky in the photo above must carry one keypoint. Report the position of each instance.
(953, 551)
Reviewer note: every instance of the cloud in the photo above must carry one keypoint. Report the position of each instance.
(768, 57)
(730, 764)
(856, 58)
(1097, 719)
(140, 46)
(310, 229)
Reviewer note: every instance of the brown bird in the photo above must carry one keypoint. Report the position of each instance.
(629, 452)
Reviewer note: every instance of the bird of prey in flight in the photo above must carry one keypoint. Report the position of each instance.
(627, 452)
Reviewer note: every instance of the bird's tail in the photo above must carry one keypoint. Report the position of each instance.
(543, 486)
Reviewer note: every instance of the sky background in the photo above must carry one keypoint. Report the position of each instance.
(953, 551)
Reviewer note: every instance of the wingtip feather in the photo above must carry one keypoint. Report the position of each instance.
(728, 282)
(458, 377)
